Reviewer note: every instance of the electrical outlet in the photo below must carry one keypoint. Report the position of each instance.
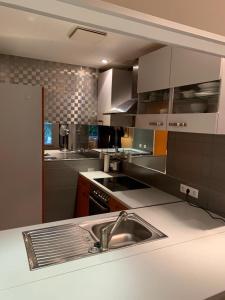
(192, 192)
(140, 145)
(145, 146)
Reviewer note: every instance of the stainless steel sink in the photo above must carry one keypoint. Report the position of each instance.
(58, 244)
(133, 231)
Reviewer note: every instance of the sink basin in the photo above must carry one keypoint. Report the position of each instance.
(128, 233)
(132, 231)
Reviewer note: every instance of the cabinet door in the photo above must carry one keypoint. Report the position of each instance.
(116, 205)
(82, 200)
(189, 67)
(154, 70)
(196, 123)
(151, 121)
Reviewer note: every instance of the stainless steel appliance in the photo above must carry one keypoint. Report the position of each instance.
(98, 202)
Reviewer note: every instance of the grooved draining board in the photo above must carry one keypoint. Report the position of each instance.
(58, 244)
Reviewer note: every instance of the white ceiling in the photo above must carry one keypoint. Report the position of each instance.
(29, 35)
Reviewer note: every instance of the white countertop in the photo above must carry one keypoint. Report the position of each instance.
(133, 198)
(189, 264)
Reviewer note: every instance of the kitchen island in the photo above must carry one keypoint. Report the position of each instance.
(188, 264)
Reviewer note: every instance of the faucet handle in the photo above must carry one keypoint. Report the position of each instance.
(123, 212)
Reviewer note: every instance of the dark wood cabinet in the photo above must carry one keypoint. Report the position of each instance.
(82, 200)
(115, 205)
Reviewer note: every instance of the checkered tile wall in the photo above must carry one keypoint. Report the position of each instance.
(70, 91)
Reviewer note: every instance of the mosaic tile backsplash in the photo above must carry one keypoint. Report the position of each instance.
(70, 91)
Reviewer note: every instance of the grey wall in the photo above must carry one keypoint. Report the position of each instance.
(70, 91)
(21, 156)
(199, 160)
(149, 161)
(194, 159)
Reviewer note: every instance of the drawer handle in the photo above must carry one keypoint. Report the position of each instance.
(178, 124)
(155, 123)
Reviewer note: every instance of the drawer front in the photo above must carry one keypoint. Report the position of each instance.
(196, 123)
(151, 121)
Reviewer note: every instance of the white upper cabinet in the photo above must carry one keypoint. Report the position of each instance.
(194, 99)
(154, 70)
(190, 67)
(195, 122)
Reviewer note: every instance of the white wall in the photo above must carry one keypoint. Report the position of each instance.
(204, 14)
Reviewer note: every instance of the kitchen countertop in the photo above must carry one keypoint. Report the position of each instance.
(132, 198)
(188, 264)
(125, 150)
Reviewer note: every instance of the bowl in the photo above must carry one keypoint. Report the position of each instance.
(209, 85)
(163, 111)
(198, 107)
(188, 94)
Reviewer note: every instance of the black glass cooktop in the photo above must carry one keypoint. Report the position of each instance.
(121, 183)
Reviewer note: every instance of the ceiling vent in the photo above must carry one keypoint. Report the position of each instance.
(86, 35)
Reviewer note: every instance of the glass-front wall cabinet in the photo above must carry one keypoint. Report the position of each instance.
(155, 102)
(196, 98)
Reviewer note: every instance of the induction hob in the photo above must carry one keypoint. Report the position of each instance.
(121, 183)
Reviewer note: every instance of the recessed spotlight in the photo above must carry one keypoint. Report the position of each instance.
(104, 61)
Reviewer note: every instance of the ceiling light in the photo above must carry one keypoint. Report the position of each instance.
(104, 61)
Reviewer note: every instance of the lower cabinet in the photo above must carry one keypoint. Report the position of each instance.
(115, 205)
(82, 201)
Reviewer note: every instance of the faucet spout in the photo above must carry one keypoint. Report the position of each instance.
(108, 231)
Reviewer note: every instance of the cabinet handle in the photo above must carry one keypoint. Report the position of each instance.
(155, 123)
(178, 124)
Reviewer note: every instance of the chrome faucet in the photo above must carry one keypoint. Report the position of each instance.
(108, 231)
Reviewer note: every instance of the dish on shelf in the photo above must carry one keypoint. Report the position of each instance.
(206, 93)
(197, 107)
(188, 94)
(163, 111)
(209, 85)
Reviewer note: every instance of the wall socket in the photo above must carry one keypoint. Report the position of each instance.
(193, 192)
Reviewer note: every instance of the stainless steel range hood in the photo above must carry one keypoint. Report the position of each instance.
(128, 107)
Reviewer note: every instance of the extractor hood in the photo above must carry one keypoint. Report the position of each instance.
(128, 107)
